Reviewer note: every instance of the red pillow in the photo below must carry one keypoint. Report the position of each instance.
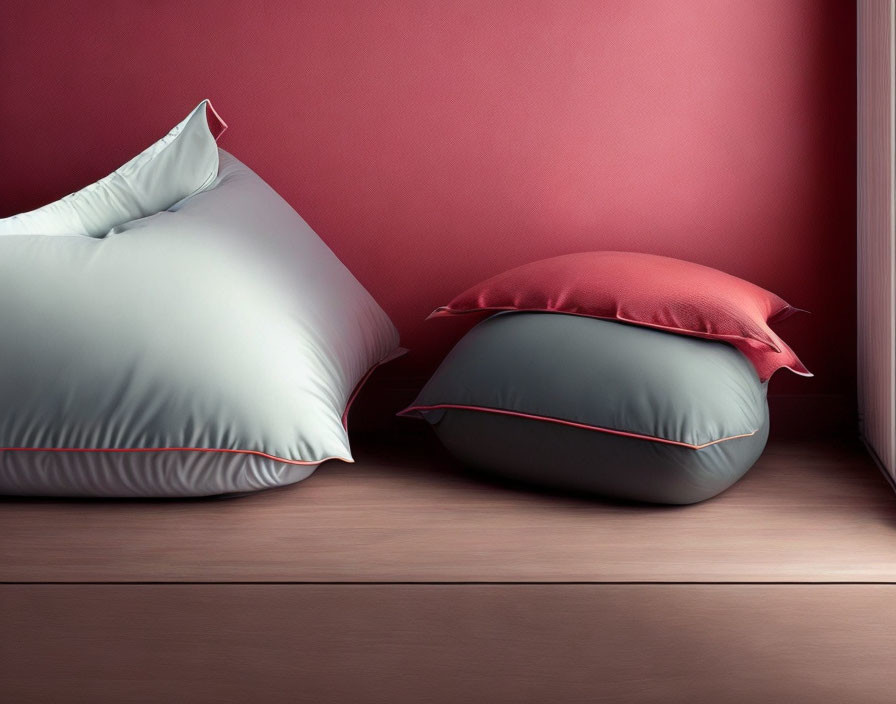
(648, 290)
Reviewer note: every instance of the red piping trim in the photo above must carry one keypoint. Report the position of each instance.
(388, 358)
(169, 449)
(400, 351)
(216, 124)
(444, 312)
(560, 421)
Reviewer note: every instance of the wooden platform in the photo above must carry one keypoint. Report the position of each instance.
(404, 578)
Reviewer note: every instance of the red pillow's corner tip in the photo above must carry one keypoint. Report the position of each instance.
(786, 312)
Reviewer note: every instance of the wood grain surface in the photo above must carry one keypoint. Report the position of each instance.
(807, 512)
(443, 644)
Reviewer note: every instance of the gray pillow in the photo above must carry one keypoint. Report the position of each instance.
(598, 406)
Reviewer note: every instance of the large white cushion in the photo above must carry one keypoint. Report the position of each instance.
(180, 164)
(208, 349)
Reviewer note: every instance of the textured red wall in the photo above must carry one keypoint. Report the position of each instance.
(432, 144)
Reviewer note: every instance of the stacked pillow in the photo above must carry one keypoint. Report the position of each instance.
(629, 375)
(176, 329)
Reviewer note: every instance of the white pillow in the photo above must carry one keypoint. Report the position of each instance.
(208, 349)
(180, 164)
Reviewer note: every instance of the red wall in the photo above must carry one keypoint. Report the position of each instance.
(432, 144)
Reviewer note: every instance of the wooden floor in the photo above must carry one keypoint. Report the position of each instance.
(448, 644)
(807, 512)
(406, 579)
